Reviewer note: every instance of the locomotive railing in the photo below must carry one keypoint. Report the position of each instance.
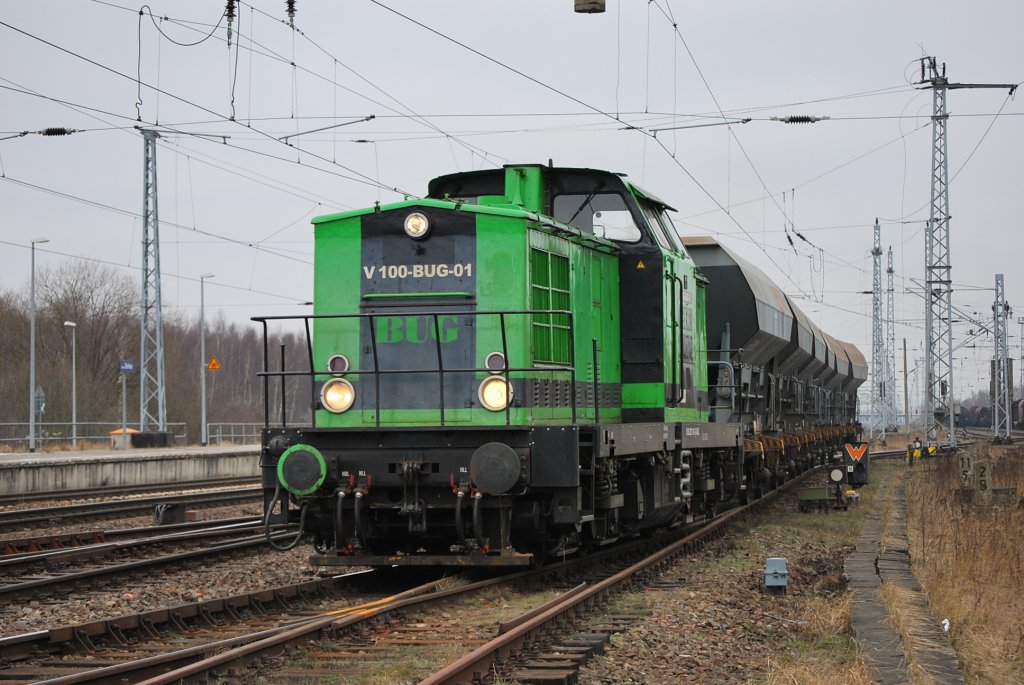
(376, 372)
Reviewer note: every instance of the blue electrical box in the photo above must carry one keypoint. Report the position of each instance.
(776, 575)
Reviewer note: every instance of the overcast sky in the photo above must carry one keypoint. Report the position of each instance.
(470, 84)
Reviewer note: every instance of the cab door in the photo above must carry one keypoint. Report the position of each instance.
(679, 305)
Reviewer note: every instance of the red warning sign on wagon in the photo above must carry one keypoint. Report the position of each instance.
(856, 451)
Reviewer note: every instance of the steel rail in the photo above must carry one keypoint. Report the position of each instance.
(473, 666)
(14, 589)
(123, 506)
(81, 493)
(13, 547)
(109, 547)
(212, 655)
(148, 622)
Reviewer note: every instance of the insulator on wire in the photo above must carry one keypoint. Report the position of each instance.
(57, 131)
(799, 119)
(229, 12)
(290, 7)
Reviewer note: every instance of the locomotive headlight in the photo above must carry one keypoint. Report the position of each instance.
(495, 362)
(337, 395)
(495, 393)
(338, 364)
(417, 225)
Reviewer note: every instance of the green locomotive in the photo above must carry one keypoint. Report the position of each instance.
(517, 366)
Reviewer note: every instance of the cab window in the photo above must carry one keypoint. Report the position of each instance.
(651, 214)
(670, 229)
(602, 214)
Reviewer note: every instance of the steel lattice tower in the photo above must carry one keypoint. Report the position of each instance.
(1001, 381)
(938, 322)
(878, 372)
(153, 398)
(937, 267)
(892, 414)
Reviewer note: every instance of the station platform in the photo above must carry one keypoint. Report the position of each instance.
(24, 473)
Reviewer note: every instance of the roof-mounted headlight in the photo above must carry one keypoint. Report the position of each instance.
(417, 225)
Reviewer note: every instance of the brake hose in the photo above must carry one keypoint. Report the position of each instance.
(266, 523)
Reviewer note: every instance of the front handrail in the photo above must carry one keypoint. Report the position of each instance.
(377, 372)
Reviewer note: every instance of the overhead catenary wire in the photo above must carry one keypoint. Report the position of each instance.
(136, 215)
(295, 66)
(96, 260)
(358, 177)
(587, 105)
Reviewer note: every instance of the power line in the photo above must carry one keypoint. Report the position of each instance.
(219, 284)
(136, 215)
(590, 107)
(269, 53)
(361, 178)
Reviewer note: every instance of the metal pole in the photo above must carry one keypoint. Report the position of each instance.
(152, 377)
(124, 411)
(878, 375)
(204, 438)
(1020, 320)
(74, 382)
(32, 353)
(906, 395)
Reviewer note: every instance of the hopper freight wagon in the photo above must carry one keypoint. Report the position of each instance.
(529, 361)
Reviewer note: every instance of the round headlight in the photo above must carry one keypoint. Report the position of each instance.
(495, 393)
(337, 395)
(416, 225)
(495, 362)
(337, 364)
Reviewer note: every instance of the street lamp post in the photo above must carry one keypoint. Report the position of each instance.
(204, 438)
(74, 382)
(32, 353)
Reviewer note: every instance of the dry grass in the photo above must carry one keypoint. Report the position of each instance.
(827, 655)
(830, 658)
(823, 673)
(903, 615)
(970, 559)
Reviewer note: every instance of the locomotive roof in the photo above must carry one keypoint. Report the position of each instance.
(429, 202)
(492, 181)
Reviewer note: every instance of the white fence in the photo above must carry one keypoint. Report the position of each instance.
(233, 433)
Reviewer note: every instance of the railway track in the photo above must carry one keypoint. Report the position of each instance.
(107, 491)
(121, 649)
(120, 659)
(32, 574)
(42, 543)
(123, 507)
(986, 434)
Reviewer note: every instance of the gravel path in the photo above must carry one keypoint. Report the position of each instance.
(708, 620)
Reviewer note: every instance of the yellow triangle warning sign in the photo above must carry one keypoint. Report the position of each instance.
(640, 264)
(214, 365)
